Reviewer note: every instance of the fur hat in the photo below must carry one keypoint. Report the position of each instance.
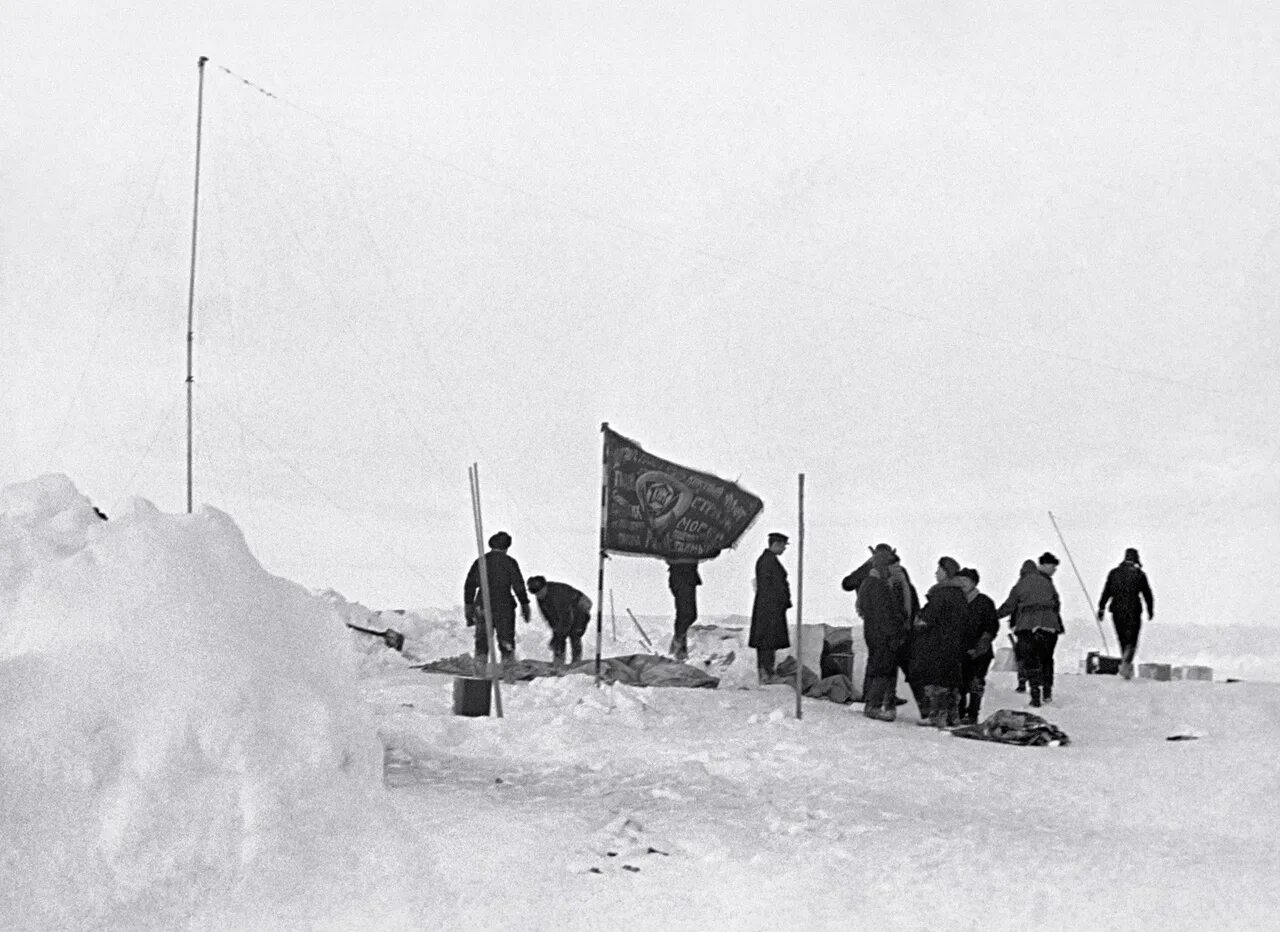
(1131, 556)
(1047, 558)
(883, 555)
(969, 573)
(950, 565)
(536, 584)
(500, 541)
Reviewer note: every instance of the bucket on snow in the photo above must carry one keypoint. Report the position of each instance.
(1095, 662)
(471, 695)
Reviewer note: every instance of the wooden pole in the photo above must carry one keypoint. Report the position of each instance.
(613, 617)
(474, 475)
(191, 295)
(604, 523)
(1088, 598)
(800, 605)
(644, 636)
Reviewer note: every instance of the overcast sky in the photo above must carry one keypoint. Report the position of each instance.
(961, 264)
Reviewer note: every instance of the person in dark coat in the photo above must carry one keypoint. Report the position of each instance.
(981, 628)
(1037, 622)
(506, 587)
(938, 645)
(1126, 589)
(683, 581)
(769, 609)
(887, 604)
(567, 611)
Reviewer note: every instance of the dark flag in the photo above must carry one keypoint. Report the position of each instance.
(658, 508)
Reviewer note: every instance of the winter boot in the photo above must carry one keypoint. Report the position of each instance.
(924, 701)
(939, 705)
(1048, 692)
(973, 708)
(877, 695)
(1035, 695)
(873, 696)
(557, 657)
(1126, 670)
(575, 650)
(1022, 685)
(765, 665)
(953, 707)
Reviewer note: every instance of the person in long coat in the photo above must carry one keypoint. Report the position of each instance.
(1127, 587)
(938, 646)
(769, 609)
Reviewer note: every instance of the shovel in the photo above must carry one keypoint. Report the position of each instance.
(393, 638)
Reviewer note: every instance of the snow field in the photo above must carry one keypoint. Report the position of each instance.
(189, 742)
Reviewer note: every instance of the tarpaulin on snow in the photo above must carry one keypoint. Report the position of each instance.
(1009, 726)
(630, 670)
(835, 688)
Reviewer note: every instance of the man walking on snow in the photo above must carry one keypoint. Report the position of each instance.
(567, 611)
(1034, 603)
(1126, 589)
(506, 586)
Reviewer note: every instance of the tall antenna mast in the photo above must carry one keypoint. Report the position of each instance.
(191, 286)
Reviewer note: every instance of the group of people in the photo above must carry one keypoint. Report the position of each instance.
(943, 647)
(566, 610)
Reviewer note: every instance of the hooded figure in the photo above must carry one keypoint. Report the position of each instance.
(1033, 603)
(1126, 589)
(938, 645)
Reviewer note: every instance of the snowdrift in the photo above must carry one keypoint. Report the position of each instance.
(182, 741)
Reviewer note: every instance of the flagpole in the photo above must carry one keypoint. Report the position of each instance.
(604, 522)
(800, 605)
(191, 291)
(474, 474)
(1088, 598)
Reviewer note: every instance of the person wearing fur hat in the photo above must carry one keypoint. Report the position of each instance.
(506, 587)
(1033, 602)
(887, 604)
(567, 612)
(937, 647)
(981, 627)
(1126, 589)
(769, 608)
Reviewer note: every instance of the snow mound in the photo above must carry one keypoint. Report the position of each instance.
(180, 727)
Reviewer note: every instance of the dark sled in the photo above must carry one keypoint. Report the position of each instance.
(1095, 662)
